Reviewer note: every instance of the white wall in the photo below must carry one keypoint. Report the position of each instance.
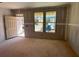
(2, 12)
(74, 27)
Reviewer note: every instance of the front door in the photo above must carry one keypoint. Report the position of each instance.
(10, 25)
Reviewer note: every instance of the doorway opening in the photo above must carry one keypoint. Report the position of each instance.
(20, 26)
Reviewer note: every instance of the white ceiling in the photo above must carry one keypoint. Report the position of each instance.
(16, 5)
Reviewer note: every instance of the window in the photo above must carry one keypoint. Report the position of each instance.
(38, 16)
(19, 15)
(50, 21)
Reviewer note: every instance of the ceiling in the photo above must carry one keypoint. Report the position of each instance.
(17, 5)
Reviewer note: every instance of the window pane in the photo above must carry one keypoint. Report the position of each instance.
(38, 27)
(50, 27)
(51, 16)
(38, 16)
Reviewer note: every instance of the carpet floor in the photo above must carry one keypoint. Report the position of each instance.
(30, 47)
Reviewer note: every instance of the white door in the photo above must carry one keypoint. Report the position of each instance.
(11, 28)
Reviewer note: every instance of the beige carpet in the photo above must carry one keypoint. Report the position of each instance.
(35, 47)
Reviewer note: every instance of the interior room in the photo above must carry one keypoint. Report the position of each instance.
(39, 29)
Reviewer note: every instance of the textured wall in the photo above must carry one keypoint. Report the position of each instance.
(74, 27)
(2, 12)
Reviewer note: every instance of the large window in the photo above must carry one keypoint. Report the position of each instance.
(45, 22)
